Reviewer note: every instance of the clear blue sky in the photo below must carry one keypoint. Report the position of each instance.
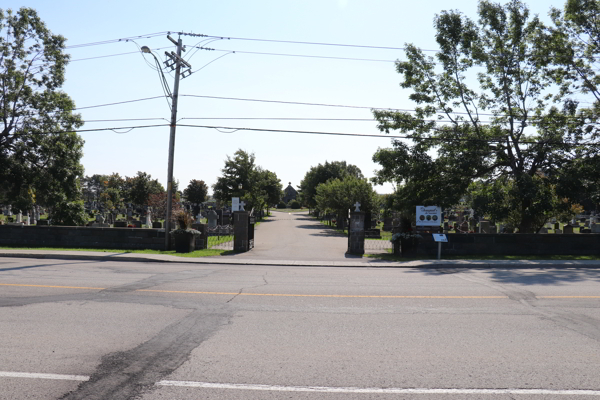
(200, 152)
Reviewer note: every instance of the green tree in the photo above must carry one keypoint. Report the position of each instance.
(39, 154)
(574, 43)
(507, 128)
(321, 174)
(340, 195)
(242, 178)
(196, 192)
(236, 175)
(141, 187)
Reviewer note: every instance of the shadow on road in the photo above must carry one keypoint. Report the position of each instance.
(527, 274)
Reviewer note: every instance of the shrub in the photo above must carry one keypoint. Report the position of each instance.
(295, 204)
(281, 205)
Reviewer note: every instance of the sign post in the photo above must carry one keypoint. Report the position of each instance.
(440, 238)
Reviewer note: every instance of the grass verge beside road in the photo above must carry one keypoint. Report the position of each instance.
(391, 257)
(197, 253)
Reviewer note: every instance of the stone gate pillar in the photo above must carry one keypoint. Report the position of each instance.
(356, 233)
(241, 234)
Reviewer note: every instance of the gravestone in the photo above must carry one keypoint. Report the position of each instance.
(464, 227)
(387, 224)
(543, 230)
(212, 219)
(567, 229)
(556, 226)
(19, 218)
(149, 219)
(493, 229)
(484, 226)
(595, 228)
(557, 231)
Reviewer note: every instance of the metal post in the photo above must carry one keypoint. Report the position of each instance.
(439, 250)
(172, 146)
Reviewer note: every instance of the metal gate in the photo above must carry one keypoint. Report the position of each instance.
(220, 237)
(378, 246)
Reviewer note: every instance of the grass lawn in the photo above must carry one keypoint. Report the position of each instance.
(197, 253)
(391, 257)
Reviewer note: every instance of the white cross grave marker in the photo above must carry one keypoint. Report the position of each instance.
(357, 205)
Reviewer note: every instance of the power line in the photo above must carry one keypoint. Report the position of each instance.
(499, 140)
(298, 55)
(116, 54)
(297, 42)
(291, 102)
(235, 129)
(147, 36)
(120, 102)
(125, 119)
(90, 130)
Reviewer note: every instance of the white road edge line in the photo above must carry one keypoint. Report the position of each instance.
(322, 389)
(4, 374)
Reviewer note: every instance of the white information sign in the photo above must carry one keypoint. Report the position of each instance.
(440, 237)
(235, 204)
(429, 216)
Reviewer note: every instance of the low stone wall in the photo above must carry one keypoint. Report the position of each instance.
(513, 244)
(79, 236)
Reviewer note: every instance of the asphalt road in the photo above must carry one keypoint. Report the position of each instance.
(297, 236)
(109, 330)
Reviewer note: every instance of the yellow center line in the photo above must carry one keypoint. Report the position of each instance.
(568, 297)
(50, 286)
(324, 295)
(348, 296)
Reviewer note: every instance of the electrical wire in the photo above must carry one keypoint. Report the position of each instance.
(306, 43)
(117, 103)
(301, 55)
(125, 119)
(147, 36)
(207, 64)
(235, 129)
(499, 140)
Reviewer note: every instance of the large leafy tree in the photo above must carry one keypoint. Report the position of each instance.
(340, 195)
(323, 173)
(196, 191)
(140, 187)
(242, 178)
(236, 176)
(506, 128)
(574, 43)
(39, 153)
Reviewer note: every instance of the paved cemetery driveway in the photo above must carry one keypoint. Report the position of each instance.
(297, 236)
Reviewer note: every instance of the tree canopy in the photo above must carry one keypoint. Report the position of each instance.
(242, 178)
(508, 128)
(337, 195)
(323, 173)
(39, 153)
(196, 192)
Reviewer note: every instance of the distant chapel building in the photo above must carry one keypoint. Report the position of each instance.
(289, 193)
